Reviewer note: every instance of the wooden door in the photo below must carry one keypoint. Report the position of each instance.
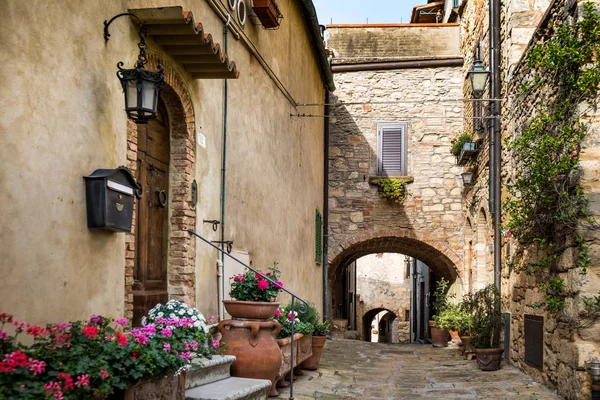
(152, 225)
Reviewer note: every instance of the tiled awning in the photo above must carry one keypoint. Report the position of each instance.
(185, 40)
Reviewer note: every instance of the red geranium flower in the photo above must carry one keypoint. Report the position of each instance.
(90, 331)
(122, 339)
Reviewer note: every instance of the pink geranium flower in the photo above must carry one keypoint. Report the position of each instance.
(83, 380)
(278, 313)
(216, 343)
(121, 321)
(263, 285)
(104, 374)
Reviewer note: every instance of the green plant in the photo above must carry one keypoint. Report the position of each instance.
(454, 318)
(485, 308)
(253, 286)
(285, 316)
(90, 359)
(392, 189)
(305, 313)
(440, 295)
(322, 329)
(457, 145)
(547, 203)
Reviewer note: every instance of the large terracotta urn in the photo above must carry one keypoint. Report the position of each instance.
(317, 351)
(251, 309)
(254, 346)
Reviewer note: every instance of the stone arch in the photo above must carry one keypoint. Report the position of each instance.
(437, 255)
(368, 317)
(181, 275)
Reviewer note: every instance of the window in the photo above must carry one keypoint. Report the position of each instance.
(318, 237)
(391, 149)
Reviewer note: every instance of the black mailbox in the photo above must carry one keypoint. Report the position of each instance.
(110, 194)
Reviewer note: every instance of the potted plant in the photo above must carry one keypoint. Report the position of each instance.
(456, 320)
(319, 338)
(253, 295)
(97, 358)
(251, 337)
(463, 147)
(439, 335)
(302, 341)
(485, 306)
(267, 12)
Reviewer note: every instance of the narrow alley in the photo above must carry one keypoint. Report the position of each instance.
(361, 370)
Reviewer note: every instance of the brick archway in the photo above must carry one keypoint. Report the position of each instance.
(181, 274)
(437, 255)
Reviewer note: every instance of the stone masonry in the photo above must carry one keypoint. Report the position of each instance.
(431, 215)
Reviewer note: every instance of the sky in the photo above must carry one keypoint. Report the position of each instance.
(357, 11)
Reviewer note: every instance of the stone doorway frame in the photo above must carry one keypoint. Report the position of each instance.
(181, 269)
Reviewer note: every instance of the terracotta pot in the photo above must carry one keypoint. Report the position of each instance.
(267, 12)
(439, 337)
(489, 359)
(254, 346)
(317, 351)
(251, 309)
(464, 340)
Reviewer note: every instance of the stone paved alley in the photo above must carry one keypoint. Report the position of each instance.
(362, 370)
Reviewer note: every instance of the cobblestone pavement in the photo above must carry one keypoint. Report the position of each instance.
(361, 370)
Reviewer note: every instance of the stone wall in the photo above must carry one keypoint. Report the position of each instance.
(565, 349)
(430, 220)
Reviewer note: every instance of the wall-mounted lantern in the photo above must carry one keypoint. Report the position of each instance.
(140, 86)
(478, 77)
(467, 178)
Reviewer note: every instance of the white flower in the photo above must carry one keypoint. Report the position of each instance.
(143, 320)
(194, 318)
(172, 315)
(181, 312)
(169, 306)
(190, 312)
(160, 314)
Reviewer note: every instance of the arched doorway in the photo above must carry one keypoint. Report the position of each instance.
(159, 257)
(152, 217)
(379, 326)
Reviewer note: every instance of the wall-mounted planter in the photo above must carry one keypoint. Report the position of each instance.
(268, 13)
(469, 149)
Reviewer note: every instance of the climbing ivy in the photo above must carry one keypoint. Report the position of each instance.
(392, 189)
(547, 202)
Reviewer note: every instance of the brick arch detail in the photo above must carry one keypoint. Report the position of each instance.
(181, 274)
(397, 240)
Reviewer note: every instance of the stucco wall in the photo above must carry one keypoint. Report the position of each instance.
(62, 117)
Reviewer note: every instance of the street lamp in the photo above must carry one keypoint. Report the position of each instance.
(140, 86)
(478, 77)
(467, 178)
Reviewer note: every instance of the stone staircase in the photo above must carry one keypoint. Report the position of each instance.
(213, 381)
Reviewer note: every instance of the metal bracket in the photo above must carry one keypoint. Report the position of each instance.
(215, 223)
(229, 244)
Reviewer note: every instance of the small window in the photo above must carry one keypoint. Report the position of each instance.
(318, 237)
(391, 149)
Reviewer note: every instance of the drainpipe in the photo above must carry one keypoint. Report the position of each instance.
(223, 174)
(496, 150)
(496, 93)
(326, 211)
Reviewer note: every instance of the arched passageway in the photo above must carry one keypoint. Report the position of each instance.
(426, 264)
(380, 325)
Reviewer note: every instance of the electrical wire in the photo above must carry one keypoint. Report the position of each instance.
(383, 117)
(436, 101)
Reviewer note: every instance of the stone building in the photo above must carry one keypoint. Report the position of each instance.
(559, 354)
(395, 87)
(226, 152)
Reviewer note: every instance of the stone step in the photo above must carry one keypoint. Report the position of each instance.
(205, 371)
(231, 389)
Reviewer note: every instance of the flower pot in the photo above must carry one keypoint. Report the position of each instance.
(267, 12)
(261, 310)
(302, 351)
(312, 363)
(489, 359)
(439, 337)
(254, 346)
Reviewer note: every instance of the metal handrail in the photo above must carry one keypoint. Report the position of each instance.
(302, 308)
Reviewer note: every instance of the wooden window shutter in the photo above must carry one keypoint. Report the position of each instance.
(318, 237)
(391, 149)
